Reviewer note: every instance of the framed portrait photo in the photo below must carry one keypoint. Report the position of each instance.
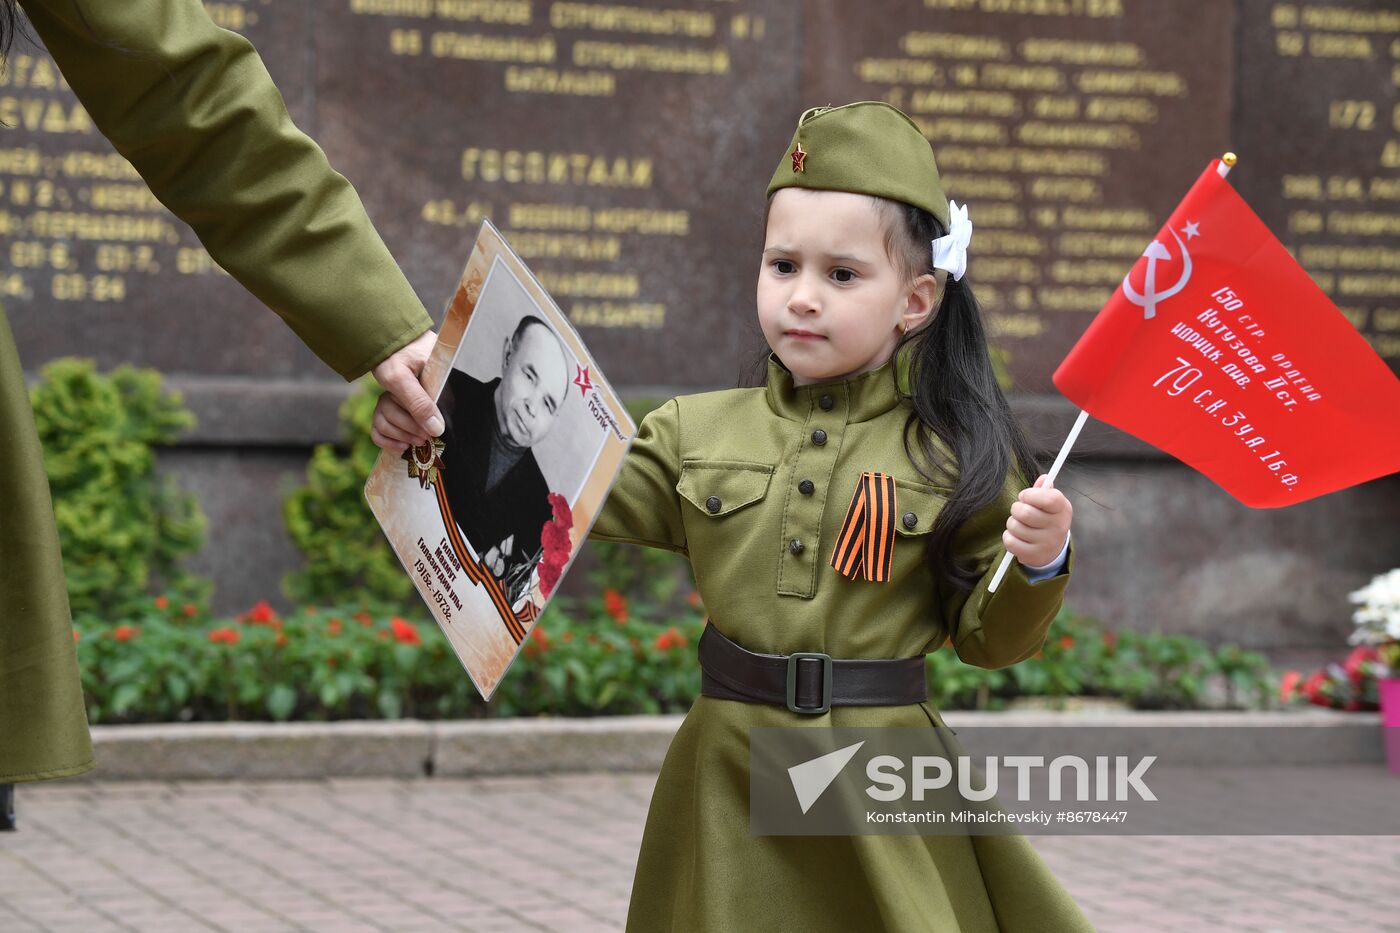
(487, 518)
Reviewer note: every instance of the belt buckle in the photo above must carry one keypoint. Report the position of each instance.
(792, 660)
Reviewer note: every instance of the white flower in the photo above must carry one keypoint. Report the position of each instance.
(1377, 617)
(950, 252)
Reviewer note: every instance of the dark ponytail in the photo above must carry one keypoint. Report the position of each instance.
(9, 25)
(956, 399)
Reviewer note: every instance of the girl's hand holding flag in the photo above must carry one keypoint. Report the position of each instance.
(1038, 529)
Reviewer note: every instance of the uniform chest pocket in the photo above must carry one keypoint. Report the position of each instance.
(721, 487)
(917, 507)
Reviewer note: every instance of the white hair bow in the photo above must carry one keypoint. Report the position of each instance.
(950, 252)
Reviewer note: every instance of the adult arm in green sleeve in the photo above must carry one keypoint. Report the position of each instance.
(643, 506)
(192, 107)
(1002, 628)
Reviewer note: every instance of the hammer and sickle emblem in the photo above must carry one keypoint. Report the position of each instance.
(1150, 298)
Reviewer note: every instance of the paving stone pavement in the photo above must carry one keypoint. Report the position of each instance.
(553, 853)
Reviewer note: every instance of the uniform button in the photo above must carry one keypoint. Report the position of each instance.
(826, 402)
(910, 519)
(795, 546)
(712, 504)
(819, 437)
(805, 487)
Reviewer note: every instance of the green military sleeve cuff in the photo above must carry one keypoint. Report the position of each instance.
(1000, 629)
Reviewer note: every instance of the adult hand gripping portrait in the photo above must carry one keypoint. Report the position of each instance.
(413, 417)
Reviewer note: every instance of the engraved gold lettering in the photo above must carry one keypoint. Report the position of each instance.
(476, 47)
(39, 115)
(1363, 223)
(552, 81)
(1155, 83)
(622, 56)
(1089, 8)
(1078, 52)
(982, 186)
(1036, 133)
(967, 103)
(607, 314)
(633, 19)
(949, 45)
(1029, 161)
(556, 168)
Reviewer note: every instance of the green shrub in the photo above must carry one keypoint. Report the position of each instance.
(603, 654)
(174, 664)
(122, 528)
(1083, 657)
(347, 558)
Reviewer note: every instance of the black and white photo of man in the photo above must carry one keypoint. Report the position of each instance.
(498, 494)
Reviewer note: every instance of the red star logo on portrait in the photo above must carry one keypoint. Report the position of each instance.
(582, 380)
(799, 156)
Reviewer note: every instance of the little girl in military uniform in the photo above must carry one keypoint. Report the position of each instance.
(855, 506)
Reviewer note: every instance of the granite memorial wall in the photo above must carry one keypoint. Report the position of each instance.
(624, 149)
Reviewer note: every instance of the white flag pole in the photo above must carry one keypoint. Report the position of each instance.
(1054, 472)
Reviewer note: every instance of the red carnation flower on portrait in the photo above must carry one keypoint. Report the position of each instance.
(405, 631)
(1288, 685)
(124, 633)
(162, 602)
(334, 626)
(557, 545)
(189, 610)
(562, 514)
(1067, 642)
(224, 636)
(549, 578)
(555, 535)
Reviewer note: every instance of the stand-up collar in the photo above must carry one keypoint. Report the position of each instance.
(861, 397)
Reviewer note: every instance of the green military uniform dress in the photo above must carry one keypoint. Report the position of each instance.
(699, 867)
(194, 110)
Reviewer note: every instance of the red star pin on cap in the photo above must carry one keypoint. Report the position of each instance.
(798, 158)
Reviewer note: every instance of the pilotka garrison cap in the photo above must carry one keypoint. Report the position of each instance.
(867, 147)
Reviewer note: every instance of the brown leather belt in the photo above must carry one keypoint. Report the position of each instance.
(806, 681)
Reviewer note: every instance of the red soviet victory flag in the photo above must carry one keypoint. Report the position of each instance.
(1219, 349)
